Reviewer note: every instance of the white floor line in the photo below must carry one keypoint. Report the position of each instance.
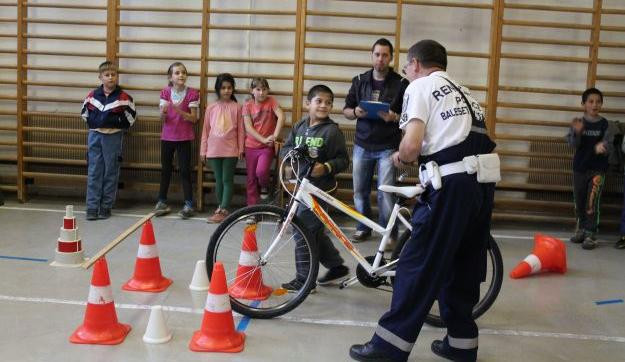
(347, 228)
(333, 322)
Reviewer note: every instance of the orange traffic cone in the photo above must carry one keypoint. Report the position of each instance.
(100, 325)
(147, 276)
(217, 333)
(249, 281)
(549, 255)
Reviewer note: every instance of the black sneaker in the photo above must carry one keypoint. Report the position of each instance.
(361, 235)
(295, 285)
(186, 212)
(92, 214)
(443, 349)
(620, 244)
(104, 214)
(589, 243)
(579, 236)
(333, 274)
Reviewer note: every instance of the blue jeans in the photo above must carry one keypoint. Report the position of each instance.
(103, 158)
(364, 163)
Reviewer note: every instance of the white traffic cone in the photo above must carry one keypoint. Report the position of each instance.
(69, 252)
(156, 331)
(199, 281)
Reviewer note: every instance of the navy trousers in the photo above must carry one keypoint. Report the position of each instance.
(444, 259)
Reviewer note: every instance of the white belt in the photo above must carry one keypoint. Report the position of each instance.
(486, 166)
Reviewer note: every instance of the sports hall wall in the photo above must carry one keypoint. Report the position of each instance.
(527, 62)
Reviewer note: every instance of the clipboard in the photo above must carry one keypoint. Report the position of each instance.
(372, 109)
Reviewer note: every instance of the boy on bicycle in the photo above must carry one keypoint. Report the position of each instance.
(326, 144)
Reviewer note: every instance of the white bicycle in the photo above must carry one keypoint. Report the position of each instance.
(258, 276)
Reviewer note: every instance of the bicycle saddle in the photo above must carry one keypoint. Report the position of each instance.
(405, 191)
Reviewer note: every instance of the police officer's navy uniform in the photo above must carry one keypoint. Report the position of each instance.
(445, 258)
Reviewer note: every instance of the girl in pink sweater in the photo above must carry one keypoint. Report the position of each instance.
(223, 137)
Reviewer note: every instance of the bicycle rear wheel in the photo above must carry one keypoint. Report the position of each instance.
(489, 289)
(255, 286)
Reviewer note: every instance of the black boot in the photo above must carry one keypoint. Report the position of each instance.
(443, 349)
(366, 352)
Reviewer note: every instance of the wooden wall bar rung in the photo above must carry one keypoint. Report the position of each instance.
(65, 37)
(63, 176)
(515, 137)
(159, 25)
(7, 51)
(350, 15)
(533, 122)
(568, 9)
(8, 66)
(8, 35)
(613, 11)
(339, 47)
(66, 54)
(251, 12)
(336, 63)
(59, 84)
(58, 69)
(533, 187)
(8, 97)
(546, 171)
(8, 143)
(467, 5)
(5, 112)
(453, 53)
(315, 29)
(64, 22)
(8, 128)
(547, 58)
(250, 60)
(611, 44)
(611, 61)
(53, 161)
(613, 28)
(511, 39)
(551, 107)
(6, 81)
(614, 78)
(55, 130)
(527, 154)
(545, 24)
(54, 145)
(158, 9)
(159, 41)
(154, 56)
(64, 6)
(539, 90)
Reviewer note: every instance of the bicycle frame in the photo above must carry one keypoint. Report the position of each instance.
(308, 194)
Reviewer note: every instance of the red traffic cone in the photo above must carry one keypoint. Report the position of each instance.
(217, 333)
(147, 276)
(249, 281)
(100, 325)
(549, 255)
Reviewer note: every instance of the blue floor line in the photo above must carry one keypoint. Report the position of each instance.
(245, 321)
(610, 301)
(22, 258)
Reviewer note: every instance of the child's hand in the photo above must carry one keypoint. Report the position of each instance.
(163, 108)
(269, 140)
(359, 112)
(319, 170)
(577, 124)
(389, 116)
(600, 148)
(241, 155)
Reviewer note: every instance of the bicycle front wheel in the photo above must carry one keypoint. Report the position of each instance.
(258, 278)
(489, 289)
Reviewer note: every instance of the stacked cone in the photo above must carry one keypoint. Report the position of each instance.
(147, 276)
(100, 325)
(69, 252)
(549, 255)
(217, 333)
(249, 281)
(156, 331)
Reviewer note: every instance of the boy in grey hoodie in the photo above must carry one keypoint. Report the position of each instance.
(326, 143)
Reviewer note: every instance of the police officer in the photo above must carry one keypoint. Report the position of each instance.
(445, 258)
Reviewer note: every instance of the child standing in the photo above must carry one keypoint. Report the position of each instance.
(179, 109)
(108, 111)
(325, 139)
(263, 120)
(592, 138)
(222, 142)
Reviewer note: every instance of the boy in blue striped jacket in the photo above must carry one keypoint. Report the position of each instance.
(108, 111)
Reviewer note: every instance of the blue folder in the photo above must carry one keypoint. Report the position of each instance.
(372, 109)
